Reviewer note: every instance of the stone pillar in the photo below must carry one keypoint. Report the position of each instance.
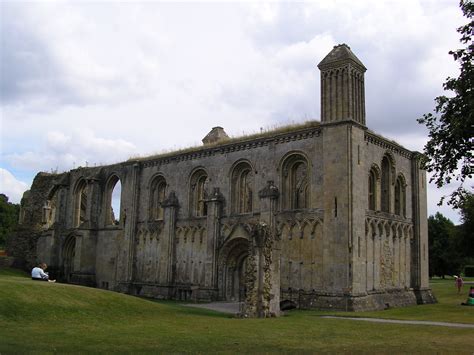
(94, 200)
(168, 250)
(262, 277)
(377, 241)
(214, 210)
(130, 221)
(419, 250)
(407, 259)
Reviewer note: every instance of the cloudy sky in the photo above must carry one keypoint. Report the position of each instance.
(86, 83)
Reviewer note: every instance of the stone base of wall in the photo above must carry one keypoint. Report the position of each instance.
(6, 261)
(425, 296)
(83, 279)
(187, 293)
(377, 300)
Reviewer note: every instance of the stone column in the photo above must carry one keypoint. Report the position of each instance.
(130, 221)
(168, 250)
(94, 201)
(214, 209)
(267, 252)
(377, 241)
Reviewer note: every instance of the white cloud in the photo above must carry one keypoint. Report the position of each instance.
(62, 152)
(11, 187)
(100, 82)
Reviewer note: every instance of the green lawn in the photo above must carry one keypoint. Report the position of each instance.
(47, 317)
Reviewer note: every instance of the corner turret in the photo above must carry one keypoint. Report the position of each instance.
(342, 86)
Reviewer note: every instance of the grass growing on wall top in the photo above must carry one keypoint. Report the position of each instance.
(52, 317)
(266, 133)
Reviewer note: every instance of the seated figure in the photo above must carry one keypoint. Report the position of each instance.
(38, 273)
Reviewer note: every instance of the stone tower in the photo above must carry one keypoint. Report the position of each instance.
(342, 86)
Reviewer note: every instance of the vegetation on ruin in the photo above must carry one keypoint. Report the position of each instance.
(265, 133)
(46, 317)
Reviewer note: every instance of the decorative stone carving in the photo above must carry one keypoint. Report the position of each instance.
(270, 191)
(259, 262)
(171, 201)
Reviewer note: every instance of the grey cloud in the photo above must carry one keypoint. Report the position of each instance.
(396, 92)
(28, 70)
(290, 26)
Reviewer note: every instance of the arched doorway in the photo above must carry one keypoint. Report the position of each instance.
(233, 264)
(69, 252)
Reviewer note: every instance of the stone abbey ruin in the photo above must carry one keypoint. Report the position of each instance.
(325, 215)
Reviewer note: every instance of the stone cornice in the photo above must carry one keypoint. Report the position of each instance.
(375, 139)
(280, 138)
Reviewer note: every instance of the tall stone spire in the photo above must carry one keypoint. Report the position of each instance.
(342, 86)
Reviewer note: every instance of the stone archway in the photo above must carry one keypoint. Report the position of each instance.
(232, 264)
(69, 253)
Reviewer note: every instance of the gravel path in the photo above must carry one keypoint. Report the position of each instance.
(224, 307)
(416, 322)
(233, 308)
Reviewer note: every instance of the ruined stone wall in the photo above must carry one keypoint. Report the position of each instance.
(328, 250)
(22, 245)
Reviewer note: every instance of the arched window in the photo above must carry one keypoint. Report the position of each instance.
(49, 216)
(157, 196)
(400, 197)
(242, 188)
(386, 184)
(80, 203)
(372, 189)
(197, 193)
(295, 182)
(113, 199)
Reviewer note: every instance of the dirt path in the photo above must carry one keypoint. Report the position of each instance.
(415, 322)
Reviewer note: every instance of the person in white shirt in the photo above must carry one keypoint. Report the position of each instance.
(38, 273)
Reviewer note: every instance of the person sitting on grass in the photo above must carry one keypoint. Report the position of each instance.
(470, 298)
(38, 273)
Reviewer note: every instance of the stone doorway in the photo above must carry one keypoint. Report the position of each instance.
(233, 270)
(69, 253)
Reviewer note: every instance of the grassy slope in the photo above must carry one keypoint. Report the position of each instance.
(66, 318)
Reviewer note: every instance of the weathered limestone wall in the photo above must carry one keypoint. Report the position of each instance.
(187, 223)
(357, 210)
(23, 244)
(336, 208)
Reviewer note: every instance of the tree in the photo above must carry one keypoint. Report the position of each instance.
(8, 218)
(466, 229)
(449, 150)
(444, 255)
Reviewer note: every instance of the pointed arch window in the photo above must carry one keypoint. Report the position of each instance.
(157, 196)
(372, 190)
(80, 203)
(242, 188)
(198, 193)
(295, 182)
(386, 184)
(400, 197)
(113, 201)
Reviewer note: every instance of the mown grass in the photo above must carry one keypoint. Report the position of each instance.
(448, 308)
(46, 317)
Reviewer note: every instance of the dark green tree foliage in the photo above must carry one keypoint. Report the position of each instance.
(444, 255)
(466, 229)
(8, 218)
(451, 130)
